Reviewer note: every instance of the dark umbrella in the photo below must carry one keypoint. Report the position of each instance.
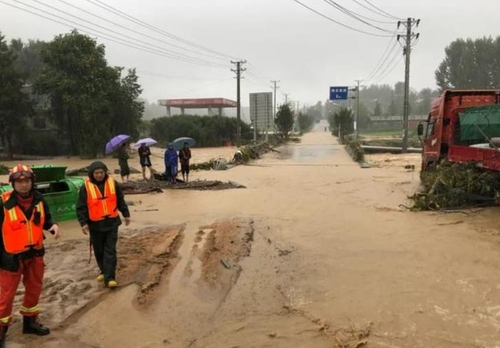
(116, 142)
(179, 142)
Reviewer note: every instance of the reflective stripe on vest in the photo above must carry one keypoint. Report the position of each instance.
(5, 320)
(99, 206)
(19, 233)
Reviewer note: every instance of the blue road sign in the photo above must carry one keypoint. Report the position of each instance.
(339, 93)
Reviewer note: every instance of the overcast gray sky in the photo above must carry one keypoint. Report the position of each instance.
(279, 39)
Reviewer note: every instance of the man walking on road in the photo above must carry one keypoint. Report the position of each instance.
(100, 201)
(24, 216)
(184, 157)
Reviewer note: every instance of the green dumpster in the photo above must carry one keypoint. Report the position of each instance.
(60, 192)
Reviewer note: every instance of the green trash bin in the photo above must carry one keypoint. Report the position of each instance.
(59, 191)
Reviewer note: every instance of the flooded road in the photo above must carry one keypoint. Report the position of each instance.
(306, 153)
(315, 252)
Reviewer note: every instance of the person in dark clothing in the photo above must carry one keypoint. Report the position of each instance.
(123, 157)
(184, 157)
(24, 215)
(99, 203)
(145, 160)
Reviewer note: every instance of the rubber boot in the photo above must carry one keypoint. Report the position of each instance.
(31, 325)
(3, 332)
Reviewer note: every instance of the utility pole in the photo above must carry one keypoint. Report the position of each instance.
(356, 117)
(286, 98)
(238, 72)
(297, 117)
(409, 37)
(274, 82)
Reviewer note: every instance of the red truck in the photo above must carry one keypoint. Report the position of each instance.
(463, 126)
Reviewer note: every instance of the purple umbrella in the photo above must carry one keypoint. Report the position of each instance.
(116, 142)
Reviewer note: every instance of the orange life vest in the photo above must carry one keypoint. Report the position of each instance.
(19, 233)
(101, 207)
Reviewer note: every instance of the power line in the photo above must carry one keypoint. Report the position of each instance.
(180, 55)
(380, 10)
(370, 19)
(337, 22)
(383, 59)
(390, 70)
(109, 37)
(135, 31)
(394, 56)
(82, 30)
(372, 10)
(170, 77)
(124, 15)
(202, 88)
(354, 15)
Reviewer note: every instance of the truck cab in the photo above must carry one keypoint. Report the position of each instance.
(463, 126)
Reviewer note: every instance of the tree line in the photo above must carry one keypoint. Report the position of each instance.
(68, 83)
(470, 63)
(62, 97)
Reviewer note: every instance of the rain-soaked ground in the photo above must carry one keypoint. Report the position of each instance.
(316, 253)
(306, 153)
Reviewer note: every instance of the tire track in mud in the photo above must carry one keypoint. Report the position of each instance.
(206, 276)
(226, 244)
(70, 288)
(212, 267)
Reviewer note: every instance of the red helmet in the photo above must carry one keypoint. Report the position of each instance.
(21, 172)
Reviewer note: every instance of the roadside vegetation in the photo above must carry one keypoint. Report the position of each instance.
(455, 186)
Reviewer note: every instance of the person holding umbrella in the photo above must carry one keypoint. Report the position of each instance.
(120, 143)
(142, 146)
(145, 160)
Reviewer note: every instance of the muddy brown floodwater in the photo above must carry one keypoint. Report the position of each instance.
(314, 252)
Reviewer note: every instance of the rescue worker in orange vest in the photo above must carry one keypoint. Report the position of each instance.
(24, 216)
(99, 203)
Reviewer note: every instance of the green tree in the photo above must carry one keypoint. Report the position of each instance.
(341, 122)
(315, 111)
(15, 107)
(28, 60)
(425, 97)
(284, 120)
(470, 64)
(364, 121)
(392, 109)
(305, 122)
(125, 107)
(90, 101)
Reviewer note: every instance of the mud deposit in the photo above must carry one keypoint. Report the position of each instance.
(70, 285)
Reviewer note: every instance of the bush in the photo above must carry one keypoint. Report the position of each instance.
(206, 130)
(354, 149)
